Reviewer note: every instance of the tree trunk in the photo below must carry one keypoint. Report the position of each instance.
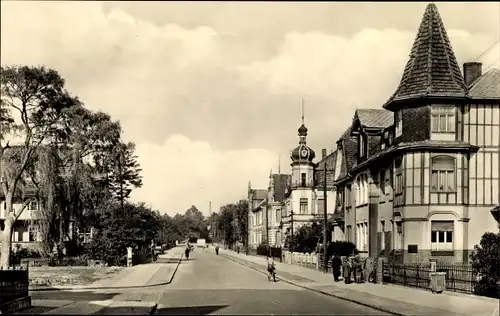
(6, 239)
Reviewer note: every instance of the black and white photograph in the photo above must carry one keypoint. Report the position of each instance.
(249, 158)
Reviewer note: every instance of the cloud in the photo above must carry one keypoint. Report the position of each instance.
(181, 172)
(232, 88)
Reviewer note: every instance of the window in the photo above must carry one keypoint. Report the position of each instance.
(442, 235)
(32, 205)
(362, 147)
(349, 233)
(443, 174)
(303, 179)
(303, 206)
(362, 189)
(399, 123)
(398, 185)
(348, 195)
(278, 215)
(443, 119)
(382, 181)
(382, 236)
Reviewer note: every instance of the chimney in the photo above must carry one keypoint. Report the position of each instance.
(323, 153)
(472, 71)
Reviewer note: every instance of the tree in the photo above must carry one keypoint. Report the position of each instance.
(225, 223)
(241, 213)
(33, 101)
(306, 238)
(135, 226)
(125, 172)
(486, 264)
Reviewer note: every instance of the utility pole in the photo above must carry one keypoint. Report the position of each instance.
(292, 245)
(325, 220)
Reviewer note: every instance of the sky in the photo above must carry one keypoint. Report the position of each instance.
(211, 92)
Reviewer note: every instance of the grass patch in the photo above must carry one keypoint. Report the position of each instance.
(70, 275)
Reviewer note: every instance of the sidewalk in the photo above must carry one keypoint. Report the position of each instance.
(388, 298)
(139, 276)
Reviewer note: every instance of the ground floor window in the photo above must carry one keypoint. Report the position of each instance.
(442, 235)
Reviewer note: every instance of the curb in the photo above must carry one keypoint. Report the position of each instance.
(88, 287)
(382, 309)
(153, 310)
(175, 271)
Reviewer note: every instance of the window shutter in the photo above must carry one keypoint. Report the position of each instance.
(321, 206)
(442, 226)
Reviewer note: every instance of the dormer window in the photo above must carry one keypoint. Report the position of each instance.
(399, 123)
(362, 145)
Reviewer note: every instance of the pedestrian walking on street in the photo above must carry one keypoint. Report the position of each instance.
(187, 251)
(217, 249)
(336, 265)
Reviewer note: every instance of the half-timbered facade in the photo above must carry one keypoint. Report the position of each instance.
(421, 184)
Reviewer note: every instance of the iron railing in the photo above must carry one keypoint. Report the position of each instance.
(411, 275)
(459, 277)
(14, 283)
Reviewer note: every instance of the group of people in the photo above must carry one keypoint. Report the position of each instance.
(350, 267)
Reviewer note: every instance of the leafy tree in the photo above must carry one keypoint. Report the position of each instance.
(225, 223)
(33, 102)
(486, 264)
(306, 238)
(241, 213)
(125, 172)
(135, 225)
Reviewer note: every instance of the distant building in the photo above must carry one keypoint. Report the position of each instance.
(257, 199)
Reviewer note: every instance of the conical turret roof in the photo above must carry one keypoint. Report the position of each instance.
(432, 70)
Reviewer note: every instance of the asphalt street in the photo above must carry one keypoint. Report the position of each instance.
(209, 284)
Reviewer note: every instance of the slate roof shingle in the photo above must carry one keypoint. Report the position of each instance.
(432, 69)
(487, 86)
(375, 118)
(330, 161)
(280, 184)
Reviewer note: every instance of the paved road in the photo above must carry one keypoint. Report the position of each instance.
(209, 284)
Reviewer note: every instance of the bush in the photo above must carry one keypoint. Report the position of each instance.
(263, 250)
(20, 253)
(485, 264)
(342, 248)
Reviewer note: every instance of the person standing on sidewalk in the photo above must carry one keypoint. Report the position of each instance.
(336, 264)
(347, 270)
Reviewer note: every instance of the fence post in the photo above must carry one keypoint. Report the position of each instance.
(433, 266)
(380, 270)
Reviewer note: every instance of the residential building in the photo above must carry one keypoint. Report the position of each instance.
(421, 184)
(24, 231)
(275, 196)
(257, 199)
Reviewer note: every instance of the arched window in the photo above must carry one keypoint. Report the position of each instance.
(443, 174)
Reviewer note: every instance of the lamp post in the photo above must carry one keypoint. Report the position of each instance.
(325, 221)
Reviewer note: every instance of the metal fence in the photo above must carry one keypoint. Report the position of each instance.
(459, 277)
(411, 275)
(14, 284)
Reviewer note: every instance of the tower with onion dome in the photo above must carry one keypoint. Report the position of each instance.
(302, 194)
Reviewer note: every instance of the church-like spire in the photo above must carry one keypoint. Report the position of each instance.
(302, 128)
(432, 70)
(302, 152)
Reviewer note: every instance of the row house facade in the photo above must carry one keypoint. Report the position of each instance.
(257, 199)
(420, 177)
